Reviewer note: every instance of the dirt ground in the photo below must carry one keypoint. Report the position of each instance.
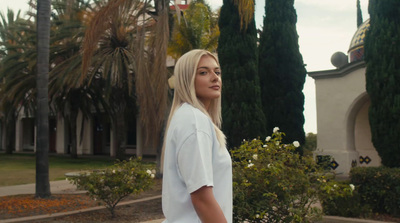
(138, 212)
(25, 205)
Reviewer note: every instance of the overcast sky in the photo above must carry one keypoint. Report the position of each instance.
(324, 27)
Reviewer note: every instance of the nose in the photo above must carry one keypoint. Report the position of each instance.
(214, 76)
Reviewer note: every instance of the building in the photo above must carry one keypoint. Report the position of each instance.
(342, 109)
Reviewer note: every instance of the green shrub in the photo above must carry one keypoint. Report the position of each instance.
(273, 183)
(116, 182)
(378, 187)
(342, 199)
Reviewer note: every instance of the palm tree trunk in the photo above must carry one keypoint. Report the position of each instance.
(42, 113)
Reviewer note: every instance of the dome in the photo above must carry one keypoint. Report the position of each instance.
(356, 49)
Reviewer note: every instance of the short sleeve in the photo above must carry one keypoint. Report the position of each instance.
(195, 161)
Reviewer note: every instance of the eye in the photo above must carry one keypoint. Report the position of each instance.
(203, 72)
(217, 72)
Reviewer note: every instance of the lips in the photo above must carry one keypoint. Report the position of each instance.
(215, 87)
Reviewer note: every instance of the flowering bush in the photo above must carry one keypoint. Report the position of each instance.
(116, 182)
(342, 199)
(273, 183)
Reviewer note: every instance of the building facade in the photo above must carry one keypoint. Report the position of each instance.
(342, 104)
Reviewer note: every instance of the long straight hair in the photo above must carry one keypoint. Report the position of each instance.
(185, 92)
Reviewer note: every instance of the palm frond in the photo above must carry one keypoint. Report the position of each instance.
(246, 11)
(151, 80)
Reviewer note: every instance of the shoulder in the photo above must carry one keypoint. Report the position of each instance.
(191, 118)
(190, 114)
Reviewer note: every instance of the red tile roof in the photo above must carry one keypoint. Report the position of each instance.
(181, 7)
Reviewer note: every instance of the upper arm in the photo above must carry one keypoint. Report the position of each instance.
(194, 160)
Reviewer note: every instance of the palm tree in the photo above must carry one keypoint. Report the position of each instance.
(8, 111)
(18, 72)
(42, 112)
(69, 96)
(197, 30)
(246, 11)
(128, 48)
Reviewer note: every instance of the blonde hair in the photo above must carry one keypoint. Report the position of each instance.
(184, 91)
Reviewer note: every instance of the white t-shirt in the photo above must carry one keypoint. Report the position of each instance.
(193, 159)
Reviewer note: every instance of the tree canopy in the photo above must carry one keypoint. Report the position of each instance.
(281, 70)
(237, 51)
(382, 53)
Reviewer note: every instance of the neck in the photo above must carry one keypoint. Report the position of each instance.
(206, 105)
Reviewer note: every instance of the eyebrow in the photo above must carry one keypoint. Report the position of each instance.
(208, 68)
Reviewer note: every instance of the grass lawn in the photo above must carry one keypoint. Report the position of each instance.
(21, 169)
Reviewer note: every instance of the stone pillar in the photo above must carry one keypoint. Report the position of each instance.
(61, 144)
(19, 135)
(139, 139)
(113, 148)
(86, 147)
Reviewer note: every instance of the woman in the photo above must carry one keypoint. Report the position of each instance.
(197, 170)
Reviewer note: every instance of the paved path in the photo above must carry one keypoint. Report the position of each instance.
(56, 187)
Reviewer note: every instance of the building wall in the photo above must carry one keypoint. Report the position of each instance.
(334, 96)
(365, 148)
(342, 117)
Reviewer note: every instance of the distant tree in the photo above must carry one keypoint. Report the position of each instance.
(281, 70)
(237, 51)
(382, 53)
(359, 14)
(310, 143)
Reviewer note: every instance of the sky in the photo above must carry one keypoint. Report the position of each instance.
(324, 27)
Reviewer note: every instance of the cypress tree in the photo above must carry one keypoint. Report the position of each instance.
(237, 51)
(359, 14)
(281, 70)
(382, 53)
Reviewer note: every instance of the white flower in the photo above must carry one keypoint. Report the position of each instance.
(265, 146)
(152, 176)
(244, 140)
(113, 171)
(148, 172)
(250, 165)
(352, 187)
(296, 144)
(268, 138)
(274, 208)
(276, 129)
(335, 186)
(277, 143)
(255, 156)
(257, 216)
(269, 165)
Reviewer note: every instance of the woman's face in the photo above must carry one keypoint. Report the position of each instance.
(207, 82)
